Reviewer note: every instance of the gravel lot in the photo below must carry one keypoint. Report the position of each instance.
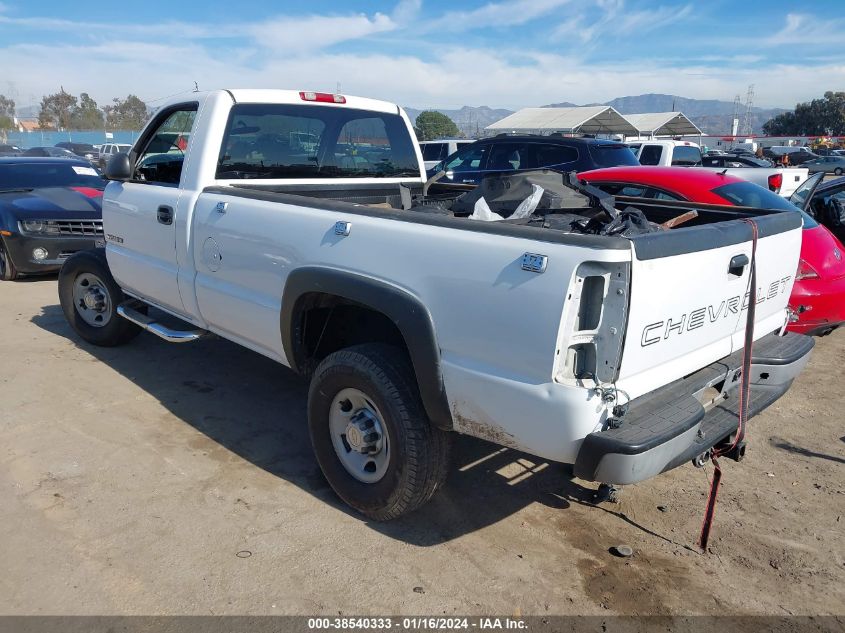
(161, 479)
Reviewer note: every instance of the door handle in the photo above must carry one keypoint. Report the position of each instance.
(165, 215)
(737, 265)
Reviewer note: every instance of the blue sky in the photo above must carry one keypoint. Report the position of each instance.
(426, 53)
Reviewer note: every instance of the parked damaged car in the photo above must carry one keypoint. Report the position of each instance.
(50, 208)
(817, 301)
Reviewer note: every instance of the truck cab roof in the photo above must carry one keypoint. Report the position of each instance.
(251, 95)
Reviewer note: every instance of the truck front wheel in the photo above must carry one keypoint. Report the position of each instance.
(370, 433)
(89, 296)
(7, 268)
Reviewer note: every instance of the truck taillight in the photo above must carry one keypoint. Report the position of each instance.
(322, 97)
(775, 182)
(805, 271)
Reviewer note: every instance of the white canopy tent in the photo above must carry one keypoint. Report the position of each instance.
(584, 120)
(663, 124)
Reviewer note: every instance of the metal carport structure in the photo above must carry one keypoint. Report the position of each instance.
(663, 124)
(583, 120)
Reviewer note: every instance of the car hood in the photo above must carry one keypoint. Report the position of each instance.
(819, 248)
(53, 202)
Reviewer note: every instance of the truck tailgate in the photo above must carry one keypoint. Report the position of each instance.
(687, 309)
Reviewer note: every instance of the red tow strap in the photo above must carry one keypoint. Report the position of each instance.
(744, 393)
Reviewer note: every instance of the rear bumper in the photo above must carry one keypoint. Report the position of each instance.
(59, 248)
(667, 427)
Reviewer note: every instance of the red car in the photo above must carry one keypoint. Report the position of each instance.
(818, 296)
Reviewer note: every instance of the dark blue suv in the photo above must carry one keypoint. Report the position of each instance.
(507, 153)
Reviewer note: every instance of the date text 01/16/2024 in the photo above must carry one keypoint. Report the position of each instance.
(416, 623)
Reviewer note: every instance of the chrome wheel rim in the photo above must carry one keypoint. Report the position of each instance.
(358, 435)
(91, 300)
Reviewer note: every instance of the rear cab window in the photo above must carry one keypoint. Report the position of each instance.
(686, 156)
(279, 141)
(650, 155)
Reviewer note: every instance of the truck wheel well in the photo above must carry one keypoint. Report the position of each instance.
(328, 323)
(324, 310)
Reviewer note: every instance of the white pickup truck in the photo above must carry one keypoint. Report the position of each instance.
(781, 180)
(295, 224)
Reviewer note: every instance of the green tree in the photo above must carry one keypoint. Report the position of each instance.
(7, 116)
(126, 114)
(87, 116)
(824, 116)
(57, 110)
(432, 125)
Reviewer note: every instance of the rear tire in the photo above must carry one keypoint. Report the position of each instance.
(8, 272)
(409, 457)
(837, 171)
(89, 296)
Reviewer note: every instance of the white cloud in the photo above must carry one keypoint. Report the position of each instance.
(316, 31)
(406, 11)
(484, 77)
(807, 29)
(494, 14)
(614, 19)
(294, 52)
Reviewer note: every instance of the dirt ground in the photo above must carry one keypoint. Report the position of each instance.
(165, 479)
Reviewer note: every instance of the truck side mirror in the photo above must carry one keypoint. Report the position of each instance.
(119, 167)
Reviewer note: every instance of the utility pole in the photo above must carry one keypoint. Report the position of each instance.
(735, 120)
(749, 102)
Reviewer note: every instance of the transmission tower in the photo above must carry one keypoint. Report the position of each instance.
(735, 118)
(749, 103)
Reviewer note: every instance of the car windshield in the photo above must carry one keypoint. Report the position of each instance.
(612, 155)
(35, 175)
(309, 141)
(747, 194)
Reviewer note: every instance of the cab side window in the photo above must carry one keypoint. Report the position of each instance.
(163, 156)
(650, 155)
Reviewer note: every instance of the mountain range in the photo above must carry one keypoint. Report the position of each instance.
(710, 115)
(471, 121)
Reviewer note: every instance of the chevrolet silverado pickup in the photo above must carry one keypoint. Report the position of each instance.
(529, 311)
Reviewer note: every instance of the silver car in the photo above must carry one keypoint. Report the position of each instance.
(826, 164)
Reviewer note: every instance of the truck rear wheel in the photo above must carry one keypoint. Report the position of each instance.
(370, 432)
(89, 296)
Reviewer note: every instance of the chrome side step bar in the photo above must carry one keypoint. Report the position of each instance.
(128, 312)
